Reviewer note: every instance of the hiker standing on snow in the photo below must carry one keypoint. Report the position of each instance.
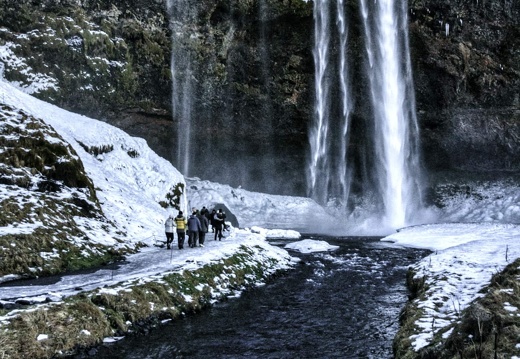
(218, 222)
(168, 229)
(180, 222)
(224, 225)
(204, 224)
(212, 219)
(194, 228)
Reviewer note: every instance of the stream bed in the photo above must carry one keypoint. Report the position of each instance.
(338, 304)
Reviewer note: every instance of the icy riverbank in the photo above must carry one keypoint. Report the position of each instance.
(452, 285)
(157, 284)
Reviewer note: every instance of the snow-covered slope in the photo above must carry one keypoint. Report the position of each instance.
(130, 179)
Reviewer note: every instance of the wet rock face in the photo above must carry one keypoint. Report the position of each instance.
(254, 75)
(467, 73)
(247, 69)
(98, 58)
(111, 60)
(473, 45)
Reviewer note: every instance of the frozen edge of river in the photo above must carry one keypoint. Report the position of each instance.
(84, 320)
(465, 296)
(488, 326)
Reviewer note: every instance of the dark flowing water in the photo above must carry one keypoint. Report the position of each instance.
(341, 304)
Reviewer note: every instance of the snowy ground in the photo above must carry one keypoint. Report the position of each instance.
(477, 235)
(465, 257)
(467, 254)
(151, 264)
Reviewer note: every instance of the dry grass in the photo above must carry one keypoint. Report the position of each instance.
(68, 326)
(489, 327)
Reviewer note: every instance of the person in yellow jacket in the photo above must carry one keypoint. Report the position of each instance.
(180, 222)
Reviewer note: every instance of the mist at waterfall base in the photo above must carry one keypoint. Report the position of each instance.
(361, 158)
(476, 201)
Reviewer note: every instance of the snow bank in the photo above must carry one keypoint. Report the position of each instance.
(276, 233)
(130, 179)
(260, 209)
(465, 258)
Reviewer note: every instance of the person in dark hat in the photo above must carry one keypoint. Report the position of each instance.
(194, 228)
(218, 222)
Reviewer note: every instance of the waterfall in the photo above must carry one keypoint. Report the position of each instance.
(182, 106)
(395, 138)
(329, 175)
(343, 171)
(319, 167)
(396, 164)
(182, 82)
(329, 178)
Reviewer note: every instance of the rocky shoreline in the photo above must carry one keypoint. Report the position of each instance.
(487, 328)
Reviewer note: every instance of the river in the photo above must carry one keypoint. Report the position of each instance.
(338, 304)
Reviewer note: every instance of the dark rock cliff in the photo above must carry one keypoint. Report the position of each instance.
(105, 59)
(467, 69)
(253, 78)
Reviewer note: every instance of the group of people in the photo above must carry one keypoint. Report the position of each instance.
(196, 227)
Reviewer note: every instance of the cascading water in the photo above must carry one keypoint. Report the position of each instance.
(182, 82)
(183, 106)
(319, 168)
(393, 104)
(329, 176)
(343, 172)
(396, 164)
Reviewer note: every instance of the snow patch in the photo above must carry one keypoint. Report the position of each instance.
(310, 246)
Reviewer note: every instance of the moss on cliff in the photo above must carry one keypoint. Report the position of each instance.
(46, 191)
(92, 60)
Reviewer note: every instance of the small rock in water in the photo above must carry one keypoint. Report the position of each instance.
(92, 352)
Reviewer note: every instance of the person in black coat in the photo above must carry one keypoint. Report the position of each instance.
(212, 219)
(194, 228)
(204, 224)
(218, 222)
